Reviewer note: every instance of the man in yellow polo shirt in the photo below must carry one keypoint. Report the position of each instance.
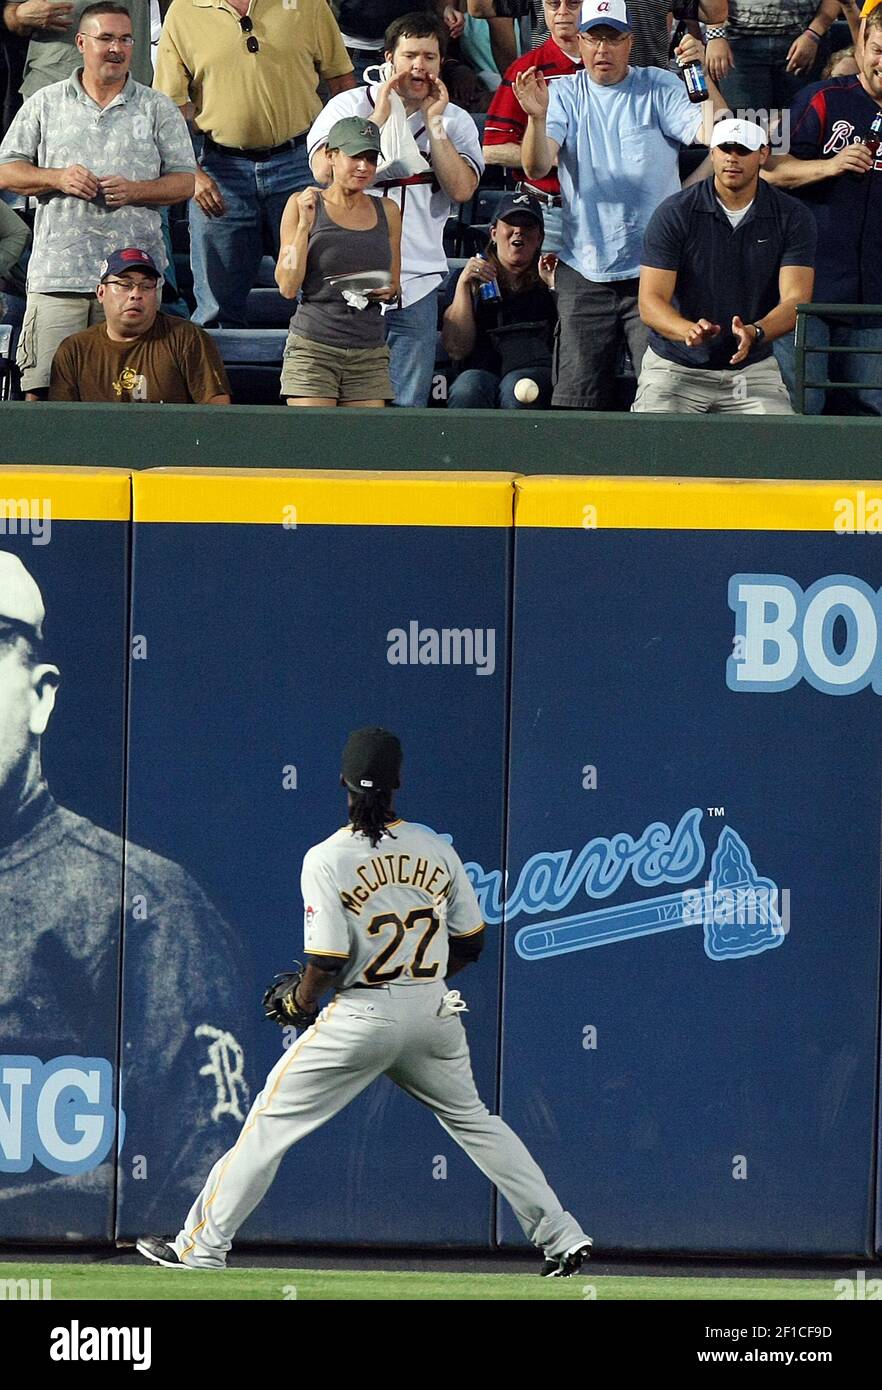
(246, 72)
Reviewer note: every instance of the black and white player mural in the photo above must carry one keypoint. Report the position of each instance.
(82, 1063)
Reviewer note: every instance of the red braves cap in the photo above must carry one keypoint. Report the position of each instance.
(130, 258)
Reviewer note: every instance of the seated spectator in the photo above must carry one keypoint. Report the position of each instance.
(447, 138)
(842, 63)
(138, 353)
(102, 154)
(505, 339)
(336, 352)
(832, 170)
(696, 363)
(560, 56)
(14, 237)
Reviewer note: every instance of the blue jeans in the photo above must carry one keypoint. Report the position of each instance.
(480, 390)
(758, 82)
(412, 335)
(225, 252)
(852, 366)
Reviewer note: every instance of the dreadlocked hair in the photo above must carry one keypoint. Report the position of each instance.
(370, 811)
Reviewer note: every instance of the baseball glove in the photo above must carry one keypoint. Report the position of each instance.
(278, 1001)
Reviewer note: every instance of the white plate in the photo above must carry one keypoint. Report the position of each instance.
(361, 280)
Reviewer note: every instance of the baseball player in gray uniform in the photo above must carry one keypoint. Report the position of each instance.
(390, 916)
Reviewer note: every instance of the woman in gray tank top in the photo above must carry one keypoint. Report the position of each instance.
(336, 352)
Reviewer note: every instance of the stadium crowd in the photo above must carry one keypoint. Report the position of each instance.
(489, 203)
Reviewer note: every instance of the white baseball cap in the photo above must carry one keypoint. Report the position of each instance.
(612, 13)
(737, 132)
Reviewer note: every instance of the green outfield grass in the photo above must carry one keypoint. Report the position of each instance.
(71, 1282)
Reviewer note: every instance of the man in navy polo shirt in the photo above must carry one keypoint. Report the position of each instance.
(725, 264)
(840, 181)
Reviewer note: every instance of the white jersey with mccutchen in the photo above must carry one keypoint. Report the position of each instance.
(374, 907)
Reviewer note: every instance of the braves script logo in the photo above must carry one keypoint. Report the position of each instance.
(737, 909)
(840, 136)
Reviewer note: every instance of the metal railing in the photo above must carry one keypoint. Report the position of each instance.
(801, 348)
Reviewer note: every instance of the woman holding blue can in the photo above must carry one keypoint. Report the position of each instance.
(501, 315)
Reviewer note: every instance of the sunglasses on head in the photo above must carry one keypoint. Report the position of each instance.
(731, 148)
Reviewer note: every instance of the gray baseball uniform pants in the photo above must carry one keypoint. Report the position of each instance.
(361, 1035)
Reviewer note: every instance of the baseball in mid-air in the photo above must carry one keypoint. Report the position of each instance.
(526, 390)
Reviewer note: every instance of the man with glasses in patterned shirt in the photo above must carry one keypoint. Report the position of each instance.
(246, 72)
(102, 154)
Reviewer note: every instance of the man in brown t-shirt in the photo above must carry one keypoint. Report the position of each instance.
(138, 353)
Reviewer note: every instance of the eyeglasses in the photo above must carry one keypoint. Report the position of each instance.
(613, 40)
(107, 40)
(731, 148)
(564, 4)
(146, 286)
(246, 25)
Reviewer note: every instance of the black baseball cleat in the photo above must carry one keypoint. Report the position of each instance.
(158, 1252)
(567, 1264)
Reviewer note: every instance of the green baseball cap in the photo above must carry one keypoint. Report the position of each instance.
(354, 135)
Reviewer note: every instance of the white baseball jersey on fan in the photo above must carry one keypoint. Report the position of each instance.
(423, 258)
(373, 907)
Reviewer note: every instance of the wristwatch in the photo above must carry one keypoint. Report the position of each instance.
(760, 333)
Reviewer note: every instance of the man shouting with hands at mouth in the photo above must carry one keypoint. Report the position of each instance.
(725, 264)
(102, 154)
(448, 139)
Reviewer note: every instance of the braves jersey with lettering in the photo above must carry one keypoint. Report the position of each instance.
(372, 907)
(824, 118)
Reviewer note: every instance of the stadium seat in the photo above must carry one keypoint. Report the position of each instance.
(253, 359)
(266, 308)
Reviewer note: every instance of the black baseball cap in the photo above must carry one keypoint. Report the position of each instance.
(516, 206)
(372, 761)
(129, 258)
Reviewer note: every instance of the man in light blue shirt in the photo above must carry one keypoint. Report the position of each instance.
(615, 132)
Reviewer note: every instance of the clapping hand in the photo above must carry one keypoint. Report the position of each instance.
(701, 332)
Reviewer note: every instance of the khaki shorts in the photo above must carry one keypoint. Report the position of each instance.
(336, 374)
(48, 320)
(668, 388)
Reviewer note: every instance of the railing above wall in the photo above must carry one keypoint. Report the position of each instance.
(570, 442)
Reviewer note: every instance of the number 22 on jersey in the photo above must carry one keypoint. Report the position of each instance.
(374, 972)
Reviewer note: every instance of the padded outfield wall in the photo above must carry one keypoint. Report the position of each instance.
(674, 755)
